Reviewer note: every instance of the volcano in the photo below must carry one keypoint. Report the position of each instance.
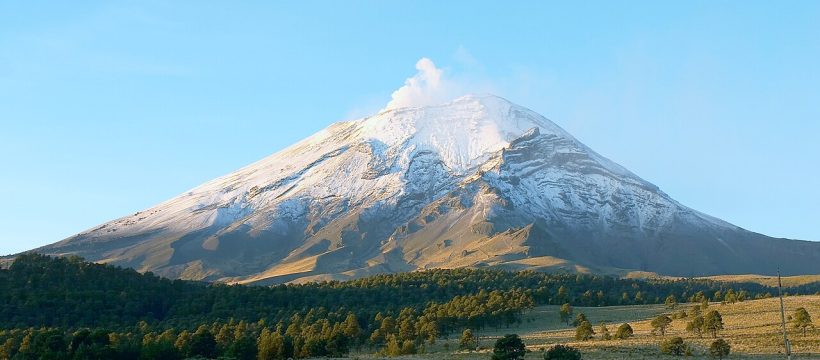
(476, 182)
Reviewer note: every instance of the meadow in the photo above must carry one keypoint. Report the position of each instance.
(752, 328)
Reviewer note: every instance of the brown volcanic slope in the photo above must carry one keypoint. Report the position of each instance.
(472, 183)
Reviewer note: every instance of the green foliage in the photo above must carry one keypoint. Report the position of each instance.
(509, 347)
(393, 348)
(267, 346)
(94, 295)
(624, 331)
(674, 346)
(565, 312)
(67, 308)
(604, 331)
(584, 331)
(8, 348)
(712, 323)
(581, 317)
(351, 326)
(801, 319)
(719, 349)
(695, 326)
(660, 323)
(730, 297)
(467, 341)
(562, 352)
(203, 343)
(671, 301)
(695, 312)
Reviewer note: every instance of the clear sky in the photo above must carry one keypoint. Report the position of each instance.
(107, 108)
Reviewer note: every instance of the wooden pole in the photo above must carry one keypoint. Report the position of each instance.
(786, 344)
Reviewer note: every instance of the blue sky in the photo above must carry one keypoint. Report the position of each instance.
(107, 108)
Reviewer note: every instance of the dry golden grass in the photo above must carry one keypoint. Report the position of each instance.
(752, 328)
(787, 281)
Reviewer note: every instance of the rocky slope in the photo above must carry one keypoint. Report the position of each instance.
(475, 182)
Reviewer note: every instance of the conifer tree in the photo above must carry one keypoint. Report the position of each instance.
(584, 331)
(801, 319)
(713, 322)
(565, 312)
(624, 331)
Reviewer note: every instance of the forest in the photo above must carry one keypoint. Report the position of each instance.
(67, 308)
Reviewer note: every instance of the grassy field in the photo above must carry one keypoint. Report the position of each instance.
(752, 328)
(767, 280)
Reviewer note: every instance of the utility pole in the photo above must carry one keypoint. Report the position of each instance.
(783, 318)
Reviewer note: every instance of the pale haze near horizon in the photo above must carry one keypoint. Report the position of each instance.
(107, 109)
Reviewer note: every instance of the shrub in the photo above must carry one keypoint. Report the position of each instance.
(509, 347)
(624, 331)
(562, 352)
(674, 346)
(801, 319)
(467, 340)
(719, 349)
(584, 331)
(604, 331)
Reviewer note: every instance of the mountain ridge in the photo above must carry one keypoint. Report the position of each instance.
(475, 182)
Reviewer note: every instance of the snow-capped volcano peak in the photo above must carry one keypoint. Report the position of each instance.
(477, 181)
(463, 132)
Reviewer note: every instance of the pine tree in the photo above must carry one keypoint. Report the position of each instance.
(8, 349)
(604, 331)
(660, 323)
(408, 347)
(563, 294)
(509, 347)
(351, 326)
(674, 346)
(562, 352)
(223, 338)
(695, 325)
(467, 340)
(581, 317)
(265, 346)
(696, 311)
(376, 337)
(203, 343)
(713, 322)
(730, 297)
(624, 331)
(407, 330)
(801, 319)
(388, 326)
(671, 301)
(584, 331)
(719, 349)
(566, 313)
(392, 348)
(183, 342)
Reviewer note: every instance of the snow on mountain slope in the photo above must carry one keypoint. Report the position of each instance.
(474, 182)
